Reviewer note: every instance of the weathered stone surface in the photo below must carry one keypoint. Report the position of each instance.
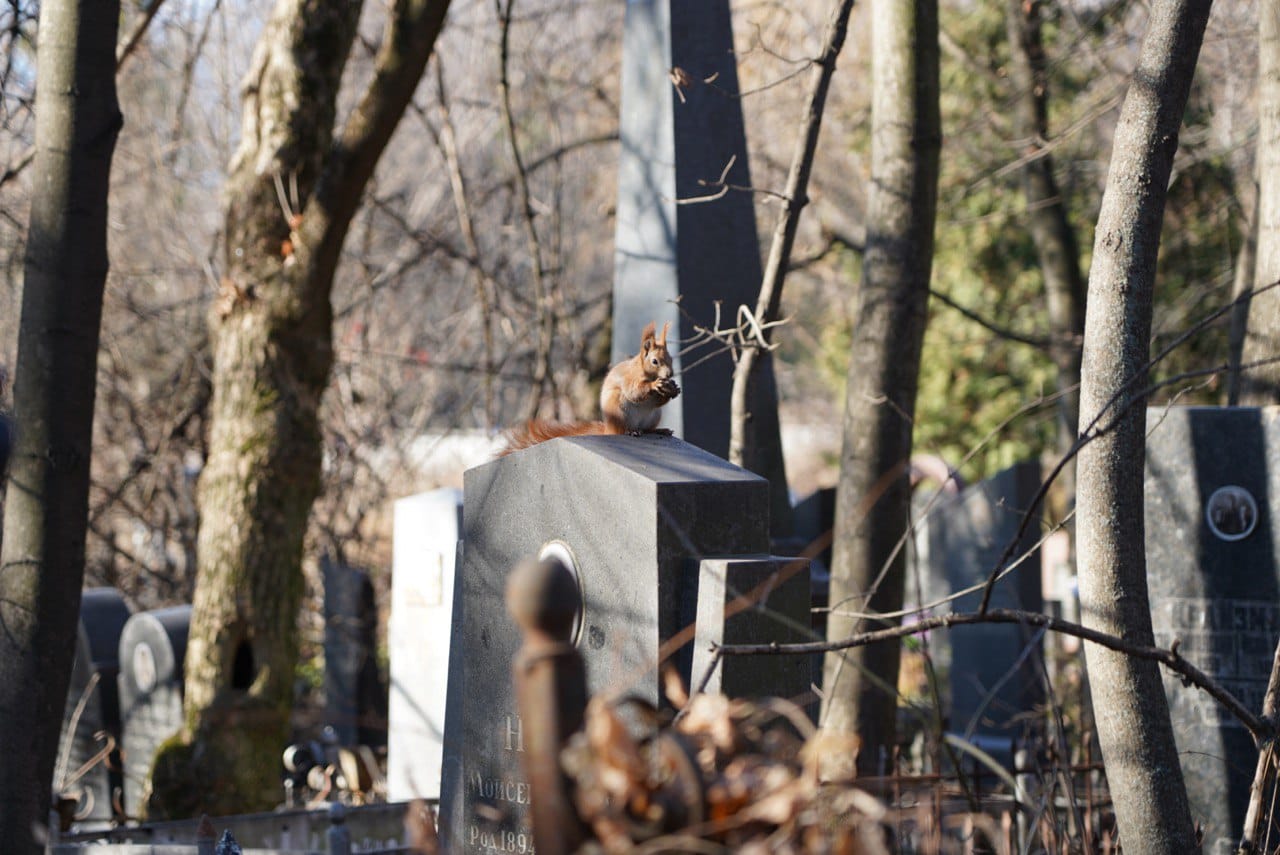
(632, 514)
(995, 672)
(428, 527)
(751, 600)
(152, 647)
(355, 698)
(1218, 593)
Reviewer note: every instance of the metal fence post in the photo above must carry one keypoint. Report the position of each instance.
(339, 835)
(551, 695)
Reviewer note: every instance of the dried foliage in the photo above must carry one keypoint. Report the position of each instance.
(727, 775)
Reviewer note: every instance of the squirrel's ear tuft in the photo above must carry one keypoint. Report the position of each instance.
(646, 337)
(662, 339)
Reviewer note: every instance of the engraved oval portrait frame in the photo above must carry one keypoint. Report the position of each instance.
(1233, 500)
(562, 552)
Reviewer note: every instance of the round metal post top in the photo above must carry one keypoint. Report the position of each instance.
(543, 596)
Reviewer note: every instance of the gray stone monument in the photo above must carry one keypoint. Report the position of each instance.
(428, 527)
(746, 600)
(355, 700)
(674, 136)
(152, 647)
(1215, 585)
(633, 517)
(995, 669)
(83, 771)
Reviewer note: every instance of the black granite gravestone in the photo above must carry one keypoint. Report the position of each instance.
(995, 669)
(355, 699)
(676, 134)
(428, 527)
(1215, 585)
(632, 517)
(87, 769)
(152, 648)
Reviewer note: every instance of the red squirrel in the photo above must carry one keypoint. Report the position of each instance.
(633, 392)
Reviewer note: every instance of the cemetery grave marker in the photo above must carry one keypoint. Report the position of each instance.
(152, 647)
(632, 518)
(994, 669)
(428, 527)
(673, 136)
(1214, 585)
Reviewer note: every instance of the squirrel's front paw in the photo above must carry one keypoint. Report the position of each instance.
(667, 388)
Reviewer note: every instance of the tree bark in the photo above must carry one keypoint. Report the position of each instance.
(1132, 715)
(1260, 384)
(292, 192)
(1051, 231)
(873, 493)
(46, 507)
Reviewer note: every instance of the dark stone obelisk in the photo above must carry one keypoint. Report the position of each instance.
(668, 246)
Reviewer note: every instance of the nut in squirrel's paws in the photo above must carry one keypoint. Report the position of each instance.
(668, 389)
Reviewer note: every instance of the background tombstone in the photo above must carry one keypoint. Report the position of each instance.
(747, 600)
(152, 648)
(355, 700)
(1212, 542)
(92, 708)
(995, 669)
(428, 527)
(673, 137)
(632, 516)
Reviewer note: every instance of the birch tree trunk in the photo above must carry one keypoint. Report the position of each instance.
(293, 188)
(873, 492)
(47, 500)
(1132, 715)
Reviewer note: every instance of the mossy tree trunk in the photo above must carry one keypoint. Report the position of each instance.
(873, 493)
(1134, 727)
(47, 499)
(293, 189)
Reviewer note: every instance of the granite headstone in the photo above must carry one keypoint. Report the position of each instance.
(1214, 584)
(428, 527)
(152, 647)
(995, 669)
(355, 700)
(748, 600)
(632, 517)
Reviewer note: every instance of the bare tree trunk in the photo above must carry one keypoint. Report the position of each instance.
(1133, 717)
(1261, 384)
(292, 192)
(873, 493)
(1051, 231)
(46, 509)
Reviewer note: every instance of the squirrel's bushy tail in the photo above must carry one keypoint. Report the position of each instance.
(535, 431)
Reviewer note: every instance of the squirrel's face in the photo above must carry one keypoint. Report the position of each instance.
(653, 352)
(657, 362)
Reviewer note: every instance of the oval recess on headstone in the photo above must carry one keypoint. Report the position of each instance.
(1231, 513)
(561, 551)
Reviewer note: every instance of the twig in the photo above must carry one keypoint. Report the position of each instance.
(1260, 728)
(794, 199)
(1119, 403)
(544, 316)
